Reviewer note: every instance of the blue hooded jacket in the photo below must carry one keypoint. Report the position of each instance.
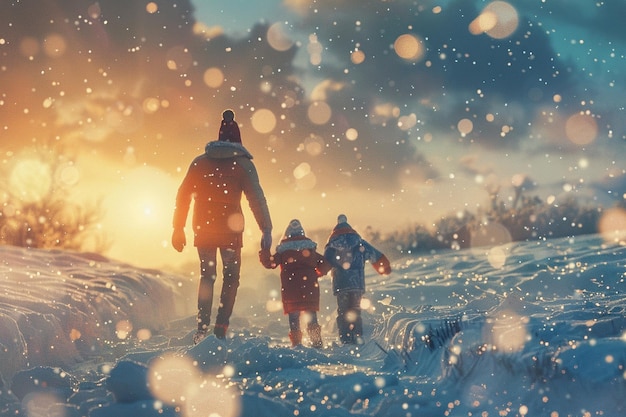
(347, 253)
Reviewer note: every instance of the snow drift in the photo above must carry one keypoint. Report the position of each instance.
(451, 333)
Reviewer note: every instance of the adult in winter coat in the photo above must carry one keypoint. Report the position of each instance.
(300, 267)
(216, 181)
(347, 253)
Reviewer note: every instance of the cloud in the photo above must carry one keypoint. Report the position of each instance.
(460, 75)
(147, 77)
(148, 80)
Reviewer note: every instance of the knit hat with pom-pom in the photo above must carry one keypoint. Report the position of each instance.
(294, 229)
(341, 228)
(229, 129)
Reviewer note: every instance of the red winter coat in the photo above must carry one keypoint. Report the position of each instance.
(216, 180)
(300, 267)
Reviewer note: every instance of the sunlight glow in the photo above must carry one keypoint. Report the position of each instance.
(68, 174)
(30, 179)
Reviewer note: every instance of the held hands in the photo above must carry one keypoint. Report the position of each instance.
(179, 241)
(266, 258)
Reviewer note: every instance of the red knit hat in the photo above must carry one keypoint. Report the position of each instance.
(229, 129)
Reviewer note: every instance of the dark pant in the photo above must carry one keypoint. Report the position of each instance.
(294, 319)
(349, 321)
(231, 262)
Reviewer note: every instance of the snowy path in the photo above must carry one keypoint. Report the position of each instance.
(449, 333)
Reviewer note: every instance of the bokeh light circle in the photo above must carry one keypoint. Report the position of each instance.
(319, 112)
(172, 378)
(498, 19)
(236, 222)
(581, 129)
(507, 331)
(352, 134)
(213, 77)
(314, 145)
(409, 47)
(612, 225)
(490, 234)
(68, 174)
(152, 7)
(465, 126)
(278, 38)
(263, 121)
(54, 45)
(357, 57)
(491, 239)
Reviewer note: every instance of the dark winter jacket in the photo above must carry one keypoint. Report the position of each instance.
(300, 267)
(216, 180)
(347, 253)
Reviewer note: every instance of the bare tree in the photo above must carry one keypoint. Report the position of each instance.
(51, 219)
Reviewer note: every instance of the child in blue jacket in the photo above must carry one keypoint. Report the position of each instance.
(347, 254)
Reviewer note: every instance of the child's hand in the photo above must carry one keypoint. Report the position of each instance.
(382, 266)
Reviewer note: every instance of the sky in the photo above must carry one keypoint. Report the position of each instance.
(394, 113)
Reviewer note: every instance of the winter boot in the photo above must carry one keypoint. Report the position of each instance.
(315, 335)
(220, 330)
(296, 337)
(199, 336)
(345, 331)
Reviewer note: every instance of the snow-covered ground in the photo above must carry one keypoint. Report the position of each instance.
(534, 329)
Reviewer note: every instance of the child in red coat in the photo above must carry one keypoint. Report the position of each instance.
(300, 267)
